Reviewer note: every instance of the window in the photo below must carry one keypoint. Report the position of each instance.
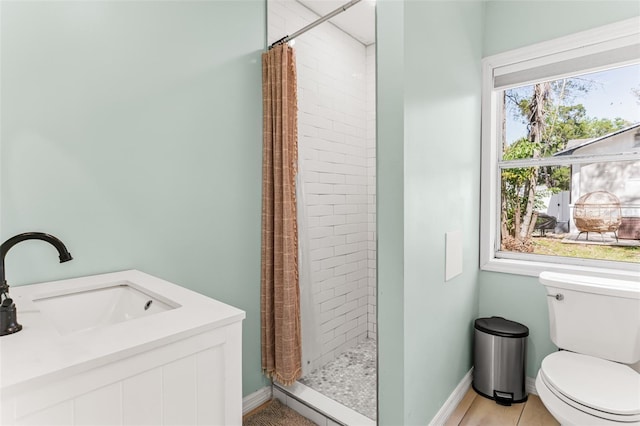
(561, 155)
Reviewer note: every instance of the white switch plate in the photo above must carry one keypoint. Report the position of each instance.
(453, 254)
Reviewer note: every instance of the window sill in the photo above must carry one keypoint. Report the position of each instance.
(630, 272)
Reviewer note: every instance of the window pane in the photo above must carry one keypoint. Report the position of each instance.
(583, 114)
(582, 210)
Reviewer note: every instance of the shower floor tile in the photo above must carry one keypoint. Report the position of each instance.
(350, 379)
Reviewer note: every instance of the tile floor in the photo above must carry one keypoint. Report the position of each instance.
(350, 379)
(476, 410)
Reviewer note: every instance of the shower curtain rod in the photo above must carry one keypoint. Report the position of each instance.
(315, 23)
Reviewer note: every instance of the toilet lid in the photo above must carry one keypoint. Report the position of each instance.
(598, 384)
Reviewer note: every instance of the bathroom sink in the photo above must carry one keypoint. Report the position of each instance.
(88, 309)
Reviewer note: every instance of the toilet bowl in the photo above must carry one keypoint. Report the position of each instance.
(584, 390)
(596, 323)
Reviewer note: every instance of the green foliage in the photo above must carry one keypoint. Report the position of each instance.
(571, 122)
(520, 149)
(514, 181)
(557, 178)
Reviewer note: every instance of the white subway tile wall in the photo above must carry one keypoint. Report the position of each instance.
(371, 187)
(336, 140)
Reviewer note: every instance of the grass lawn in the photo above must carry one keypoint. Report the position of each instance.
(555, 247)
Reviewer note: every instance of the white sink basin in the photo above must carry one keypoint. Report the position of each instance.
(88, 309)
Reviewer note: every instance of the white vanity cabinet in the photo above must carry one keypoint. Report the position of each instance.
(177, 367)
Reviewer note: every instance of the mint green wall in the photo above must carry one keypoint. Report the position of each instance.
(516, 297)
(132, 131)
(512, 24)
(428, 184)
(390, 210)
(443, 47)
(520, 299)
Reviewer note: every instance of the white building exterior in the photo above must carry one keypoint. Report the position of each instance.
(621, 178)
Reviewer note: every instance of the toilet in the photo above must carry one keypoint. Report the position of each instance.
(594, 379)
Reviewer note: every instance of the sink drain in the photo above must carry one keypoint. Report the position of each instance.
(148, 304)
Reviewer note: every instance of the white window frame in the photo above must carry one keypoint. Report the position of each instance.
(552, 59)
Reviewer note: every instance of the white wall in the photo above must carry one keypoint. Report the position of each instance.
(336, 153)
(622, 178)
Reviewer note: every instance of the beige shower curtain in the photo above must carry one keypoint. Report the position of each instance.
(280, 293)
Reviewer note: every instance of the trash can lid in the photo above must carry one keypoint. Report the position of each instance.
(499, 326)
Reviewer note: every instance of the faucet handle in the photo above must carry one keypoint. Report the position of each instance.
(8, 318)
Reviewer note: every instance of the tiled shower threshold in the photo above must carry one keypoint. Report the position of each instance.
(305, 399)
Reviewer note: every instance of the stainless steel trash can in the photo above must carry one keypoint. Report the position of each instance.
(499, 354)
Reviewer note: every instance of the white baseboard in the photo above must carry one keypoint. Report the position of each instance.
(458, 393)
(530, 385)
(263, 395)
(256, 399)
(454, 399)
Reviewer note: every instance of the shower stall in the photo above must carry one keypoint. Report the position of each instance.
(336, 202)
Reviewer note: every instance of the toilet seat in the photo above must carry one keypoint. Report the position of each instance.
(600, 388)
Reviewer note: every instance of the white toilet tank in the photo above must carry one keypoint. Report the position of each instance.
(594, 316)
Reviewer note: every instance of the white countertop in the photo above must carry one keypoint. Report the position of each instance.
(39, 353)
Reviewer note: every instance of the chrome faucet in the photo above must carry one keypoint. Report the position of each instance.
(8, 317)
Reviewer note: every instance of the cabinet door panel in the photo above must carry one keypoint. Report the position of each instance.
(99, 407)
(211, 386)
(179, 385)
(142, 399)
